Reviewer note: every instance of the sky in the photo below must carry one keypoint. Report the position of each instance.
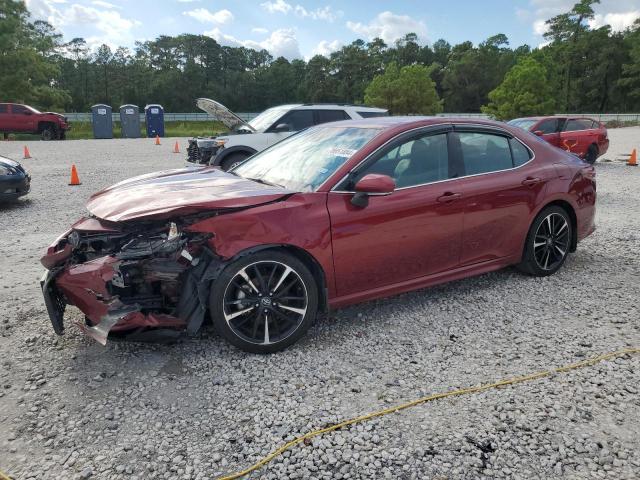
(303, 28)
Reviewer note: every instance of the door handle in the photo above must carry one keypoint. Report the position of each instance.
(449, 197)
(531, 181)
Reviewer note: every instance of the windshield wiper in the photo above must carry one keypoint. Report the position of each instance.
(264, 182)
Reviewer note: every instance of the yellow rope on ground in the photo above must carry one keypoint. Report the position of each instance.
(380, 413)
(4, 476)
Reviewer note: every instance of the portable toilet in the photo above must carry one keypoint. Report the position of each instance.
(154, 116)
(130, 121)
(102, 121)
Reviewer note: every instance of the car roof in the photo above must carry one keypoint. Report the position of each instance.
(332, 106)
(410, 121)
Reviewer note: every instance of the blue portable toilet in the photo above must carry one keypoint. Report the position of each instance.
(154, 116)
(102, 121)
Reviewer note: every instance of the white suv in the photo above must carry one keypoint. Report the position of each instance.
(271, 126)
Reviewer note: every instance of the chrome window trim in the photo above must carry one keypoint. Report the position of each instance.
(531, 159)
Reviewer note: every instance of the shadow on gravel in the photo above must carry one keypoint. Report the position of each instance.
(18, 204)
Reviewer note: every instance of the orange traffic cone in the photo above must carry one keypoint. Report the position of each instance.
(176, 149)
(26, 152)
(75, 180)
(633, 159)
(157, 139)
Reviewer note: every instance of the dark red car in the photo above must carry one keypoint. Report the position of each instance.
(17, 118)
(581, 136)
(337, 214)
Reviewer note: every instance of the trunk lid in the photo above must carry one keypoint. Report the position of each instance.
(226, 116)
(180, 192)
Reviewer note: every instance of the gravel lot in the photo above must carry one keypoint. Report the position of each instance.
(70, 408)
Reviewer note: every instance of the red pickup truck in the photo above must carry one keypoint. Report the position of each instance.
(16, 118)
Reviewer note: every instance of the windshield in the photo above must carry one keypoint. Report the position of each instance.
(523, 123)
(266, 118)
(304, 161)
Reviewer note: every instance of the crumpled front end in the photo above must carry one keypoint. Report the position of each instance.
(134, 281)
(200, 150)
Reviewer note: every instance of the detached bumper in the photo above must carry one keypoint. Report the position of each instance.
(54, 302)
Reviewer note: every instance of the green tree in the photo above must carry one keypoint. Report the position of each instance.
(27, 71)
(525, 91)
(404, 90)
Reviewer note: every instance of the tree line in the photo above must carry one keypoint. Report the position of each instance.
(580, 69)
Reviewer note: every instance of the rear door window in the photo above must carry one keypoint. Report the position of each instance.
(548, 126)
(575, 124)
(325, 116)
(520, 153)
(484, 153)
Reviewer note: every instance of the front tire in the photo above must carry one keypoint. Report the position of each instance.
(48, 133)
(264, 302)
(233, 161)
(548, 242)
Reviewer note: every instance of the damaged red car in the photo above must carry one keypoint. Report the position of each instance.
(337, 214)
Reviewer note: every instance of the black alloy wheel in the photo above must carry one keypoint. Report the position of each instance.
(264, 304)
(548, 242)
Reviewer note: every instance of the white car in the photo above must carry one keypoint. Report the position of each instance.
(271, 126)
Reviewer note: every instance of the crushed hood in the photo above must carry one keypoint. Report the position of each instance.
(179, 192)
(222, 113)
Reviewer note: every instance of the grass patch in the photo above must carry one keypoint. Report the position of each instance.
(84, 130)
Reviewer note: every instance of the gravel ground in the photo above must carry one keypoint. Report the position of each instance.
(70, 408)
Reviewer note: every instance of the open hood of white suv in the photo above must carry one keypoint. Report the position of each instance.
(226, 116)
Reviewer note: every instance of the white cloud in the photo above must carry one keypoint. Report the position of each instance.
(618, 21)
(109, 25)
(321, 13)
(259, 30)
(389, 27)
(205, 16)
(620, 14)
(281, 42)
(278, 6)
(540, 27)
(101, 3)
(326, 48)
(324, 13)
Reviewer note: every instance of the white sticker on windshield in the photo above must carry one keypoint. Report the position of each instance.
(341, 152)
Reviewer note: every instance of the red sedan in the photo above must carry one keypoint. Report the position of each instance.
(581, 136)
(337, 214)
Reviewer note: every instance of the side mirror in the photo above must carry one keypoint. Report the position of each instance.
(372, 184)
(538, 133)
(282, 127)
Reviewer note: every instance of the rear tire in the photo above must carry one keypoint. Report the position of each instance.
(233, 160)
(548, 242)
(264, 302)
(592, 154)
